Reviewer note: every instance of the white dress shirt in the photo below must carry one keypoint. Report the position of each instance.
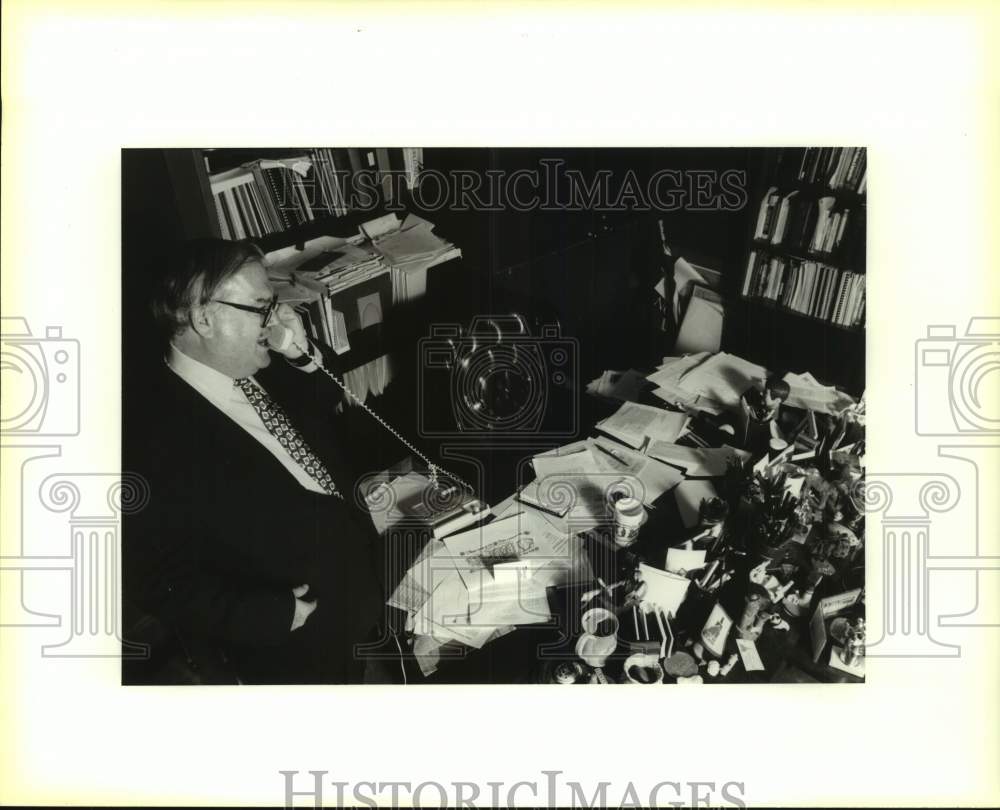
(222, 392)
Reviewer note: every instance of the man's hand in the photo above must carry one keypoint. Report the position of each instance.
(303, 609)
(289, 318)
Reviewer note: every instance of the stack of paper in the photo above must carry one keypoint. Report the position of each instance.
(667, 379)
(473, 586)
(412, 240)
(723, 377)
(640, 474)
(697, 462)
(807, 392)
(570, 485)
(636, 425)
(326, 264)
(410, 248)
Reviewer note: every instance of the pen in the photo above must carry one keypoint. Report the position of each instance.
(612, 453)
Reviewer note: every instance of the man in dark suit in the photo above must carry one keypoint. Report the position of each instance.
(252, 535)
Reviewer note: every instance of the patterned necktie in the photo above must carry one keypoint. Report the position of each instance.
(280, 426)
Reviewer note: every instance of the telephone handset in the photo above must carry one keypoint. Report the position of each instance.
(280, 338)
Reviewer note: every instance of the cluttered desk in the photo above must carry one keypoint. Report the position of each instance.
(709, 530)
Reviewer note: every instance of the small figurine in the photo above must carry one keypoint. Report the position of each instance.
(713, 668)
(753, 630)
(779, 593)
(758, 575)
(854, 643)
(778, 623)
(729, 665)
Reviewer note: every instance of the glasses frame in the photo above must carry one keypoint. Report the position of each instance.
(265, 312)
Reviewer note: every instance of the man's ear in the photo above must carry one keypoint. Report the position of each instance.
(201, 321)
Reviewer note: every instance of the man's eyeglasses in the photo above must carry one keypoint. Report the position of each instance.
(265, 312)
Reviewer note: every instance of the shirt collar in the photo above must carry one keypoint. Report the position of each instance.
(206, 380)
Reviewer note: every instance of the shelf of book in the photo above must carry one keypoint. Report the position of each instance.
(773, 306)
(833, 259)
(283, 197)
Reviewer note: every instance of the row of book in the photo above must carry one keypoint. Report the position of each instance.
(838, 167)
(271, 195)
(812, 288)
(795, 222)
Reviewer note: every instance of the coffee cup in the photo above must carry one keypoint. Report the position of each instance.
(599, 638)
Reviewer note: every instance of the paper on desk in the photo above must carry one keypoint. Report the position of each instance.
(679, 559)
(672, 369)
(689, 495)
(508, 504)
(633, 423)
(445, 615)
(697, 461)
(749, 654)
(566, 449)
(723, 377)
(525, 539)
(579, 463)
(653, 477)
(571, 482)
(663, 589)
(806, 392)
(510, 597)
(419, 581)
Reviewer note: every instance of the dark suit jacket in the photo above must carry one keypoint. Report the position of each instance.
(228, 532)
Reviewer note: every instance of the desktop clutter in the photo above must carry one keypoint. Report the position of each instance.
(732, 511)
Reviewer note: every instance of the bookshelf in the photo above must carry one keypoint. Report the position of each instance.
(799, 300)
(807, 248)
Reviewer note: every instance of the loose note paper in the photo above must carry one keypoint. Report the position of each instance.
(679, 559)
(633, 423)
(748, 652)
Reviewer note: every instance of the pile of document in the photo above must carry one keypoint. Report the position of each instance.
(326, 265)
(715, 382)
(636, 425)
(475, 586)
(807, 392)
(409, 248)
(706, 381)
